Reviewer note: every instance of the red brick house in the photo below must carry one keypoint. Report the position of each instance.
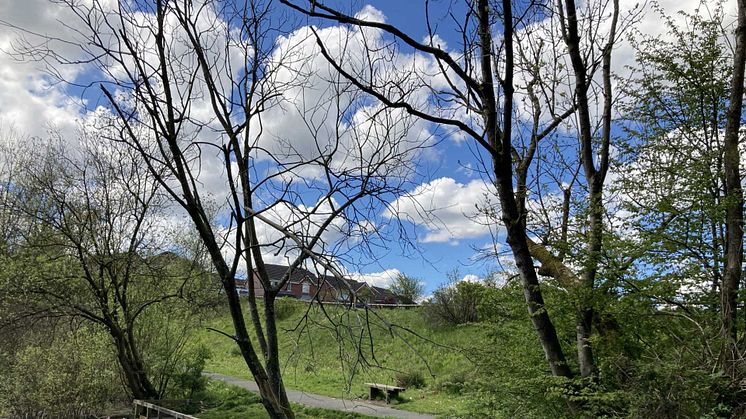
(384, 296)
(304, 285)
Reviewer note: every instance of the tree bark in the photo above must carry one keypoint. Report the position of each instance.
(132, 367)
(594, 176)
(734, 202)
(513, 219)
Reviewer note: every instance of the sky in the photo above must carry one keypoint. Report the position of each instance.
(31, 104)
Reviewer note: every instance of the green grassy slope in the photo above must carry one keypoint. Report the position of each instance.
(230, 402)
(335, 353)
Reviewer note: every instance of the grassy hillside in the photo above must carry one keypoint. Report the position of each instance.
(335, 352)
(230, 402)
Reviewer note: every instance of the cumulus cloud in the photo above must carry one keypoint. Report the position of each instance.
(30, 100)
(471, 278)
(379, 279)
(447, 209)
(317, 113)
(310, 117)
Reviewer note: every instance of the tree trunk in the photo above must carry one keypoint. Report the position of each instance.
(273, 354)
(513, 219)
(594, 176)
(516, 237)
(584, 318)
(132, 367)
(734, 203)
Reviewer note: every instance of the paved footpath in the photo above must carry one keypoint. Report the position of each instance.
(315, 400)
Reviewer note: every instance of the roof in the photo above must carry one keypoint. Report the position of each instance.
(277, 272)
(344, 283)
(382, 290)
(337, 283)
(357, 285)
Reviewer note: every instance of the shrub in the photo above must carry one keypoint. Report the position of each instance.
(454, 304)
(453, 383)
(187, 375)
(410, 379)
(285, 308)
(72, 375)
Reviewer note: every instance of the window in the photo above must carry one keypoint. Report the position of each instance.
(306, 288)
(290, 286)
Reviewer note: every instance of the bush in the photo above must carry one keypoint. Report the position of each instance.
(410, 379)
(285, 308)
(454, 304)
(186, 377)
(173, 365)
(72, 375)
(454, 383)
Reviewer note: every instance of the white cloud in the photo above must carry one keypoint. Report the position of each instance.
(29, 99)
(471, 278)
(317, 113)
(447, 209)
(379, 279)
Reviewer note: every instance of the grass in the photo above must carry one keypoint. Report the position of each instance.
(336, 353)
(224, 401)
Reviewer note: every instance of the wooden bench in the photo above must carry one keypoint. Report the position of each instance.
(377, 390)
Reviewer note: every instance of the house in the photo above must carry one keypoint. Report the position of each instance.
(334, 289)
(384, 296)
(304, 285)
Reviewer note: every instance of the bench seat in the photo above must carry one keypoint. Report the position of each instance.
(377, 390)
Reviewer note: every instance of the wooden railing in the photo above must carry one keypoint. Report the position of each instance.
(145, 410)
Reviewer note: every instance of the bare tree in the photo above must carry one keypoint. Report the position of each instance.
(485, 69)
(595, 173)
(197, 90)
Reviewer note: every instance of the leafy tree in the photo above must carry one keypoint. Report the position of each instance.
(90, 253)
(672, 174)
(456, 302)
(408, 288)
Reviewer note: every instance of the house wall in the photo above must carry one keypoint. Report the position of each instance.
(296, 290)
(327, 294)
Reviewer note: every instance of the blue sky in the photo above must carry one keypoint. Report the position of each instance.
(30, 104)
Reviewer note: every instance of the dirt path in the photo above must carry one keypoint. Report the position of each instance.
(315, 400)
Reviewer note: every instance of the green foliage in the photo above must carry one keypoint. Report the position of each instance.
(71, 374)
(671, 169)
(410, 379)
(408, 289)
(454, 383)
(186, 376)
(285, 308)
(223, 401)
(165, 334)
(454, 304)
(511, 378)
(315, 361)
